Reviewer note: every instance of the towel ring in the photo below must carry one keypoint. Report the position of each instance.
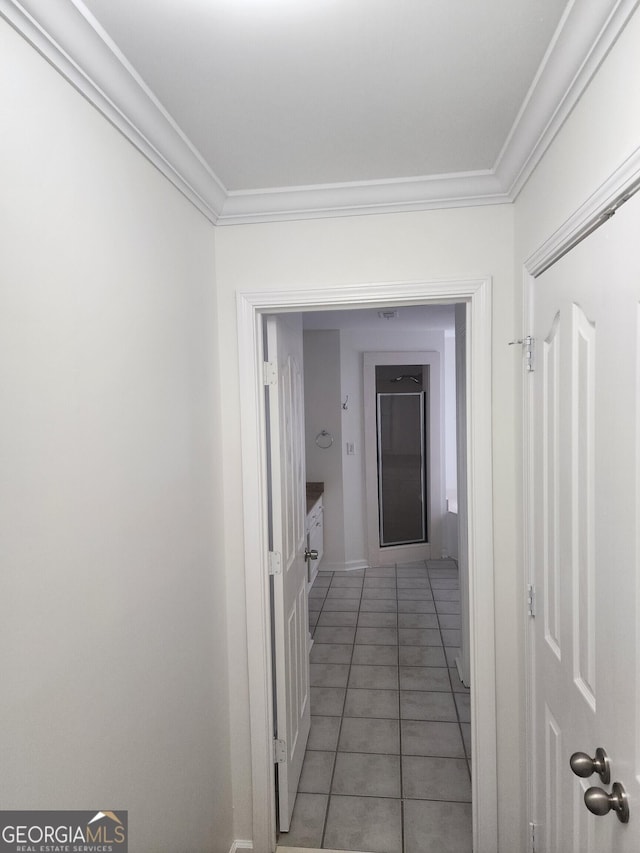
(324, 439)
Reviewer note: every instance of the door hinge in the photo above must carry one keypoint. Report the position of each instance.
(274, 561)
(270, 373)
(279, 751)
(528, 345)
(532, 837)
(531, 599)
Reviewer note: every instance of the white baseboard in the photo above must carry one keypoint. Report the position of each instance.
(309, 850)
(345, 567)
(461, 675)
(356, 564)
(241, 845)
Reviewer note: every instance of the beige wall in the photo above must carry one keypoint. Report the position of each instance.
(466, 243)
(113, 632)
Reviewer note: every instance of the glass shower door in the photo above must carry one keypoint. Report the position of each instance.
(401, 467)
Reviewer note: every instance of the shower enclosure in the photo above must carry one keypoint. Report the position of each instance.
(401, 445)
(403, 461)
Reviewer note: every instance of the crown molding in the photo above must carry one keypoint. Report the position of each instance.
(585, 35)
(72, 40)
(601, 205)
(366, 197)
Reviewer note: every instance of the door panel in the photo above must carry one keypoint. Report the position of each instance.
(288, 503)
(585, 451)
(550, 508)
(582, 501)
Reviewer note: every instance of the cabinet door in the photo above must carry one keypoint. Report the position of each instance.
(315, 538)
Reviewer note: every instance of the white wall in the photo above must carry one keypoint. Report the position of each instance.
(116, 567)
(113, 632)
(329, 253)
(450, 527)
(449, 437)
(601, 133)
(355, 342)
(344, 474)
(117, 574)
(323, 410)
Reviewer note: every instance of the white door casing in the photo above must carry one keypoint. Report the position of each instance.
(583, 533)
(251, 306)
(288, 539)
(462, 661)
(435, 461)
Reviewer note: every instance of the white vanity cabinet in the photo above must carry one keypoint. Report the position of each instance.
(315, 537)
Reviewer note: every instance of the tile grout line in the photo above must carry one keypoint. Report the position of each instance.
(326, 811)
(326, 607)
(346, 692)
(453, 695)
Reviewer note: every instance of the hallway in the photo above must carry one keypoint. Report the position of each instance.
(386, 768)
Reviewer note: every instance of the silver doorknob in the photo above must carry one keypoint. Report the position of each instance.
(585, 766)
(600, 803)
(310, 555)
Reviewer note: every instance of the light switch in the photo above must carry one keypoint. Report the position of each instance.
(351, 448)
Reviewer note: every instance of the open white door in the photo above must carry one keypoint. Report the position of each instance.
(585, 478)
(463, 660)
(288, 501)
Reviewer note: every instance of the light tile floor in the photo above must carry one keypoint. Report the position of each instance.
(387, 762)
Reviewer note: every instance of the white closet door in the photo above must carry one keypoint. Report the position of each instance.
(586, 482)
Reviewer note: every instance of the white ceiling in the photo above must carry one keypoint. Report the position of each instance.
(278, 93)
(262, 110)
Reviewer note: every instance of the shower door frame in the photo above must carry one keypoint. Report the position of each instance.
(420, 396)
(380, 555)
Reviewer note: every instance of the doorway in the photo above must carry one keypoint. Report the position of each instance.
(251, 306)
(385, 710)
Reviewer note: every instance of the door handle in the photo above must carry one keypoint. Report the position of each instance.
(600, 803)
(584, 766)
(310, 555)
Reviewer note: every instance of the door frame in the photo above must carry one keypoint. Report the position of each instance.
(598, 207)
(476, 293)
